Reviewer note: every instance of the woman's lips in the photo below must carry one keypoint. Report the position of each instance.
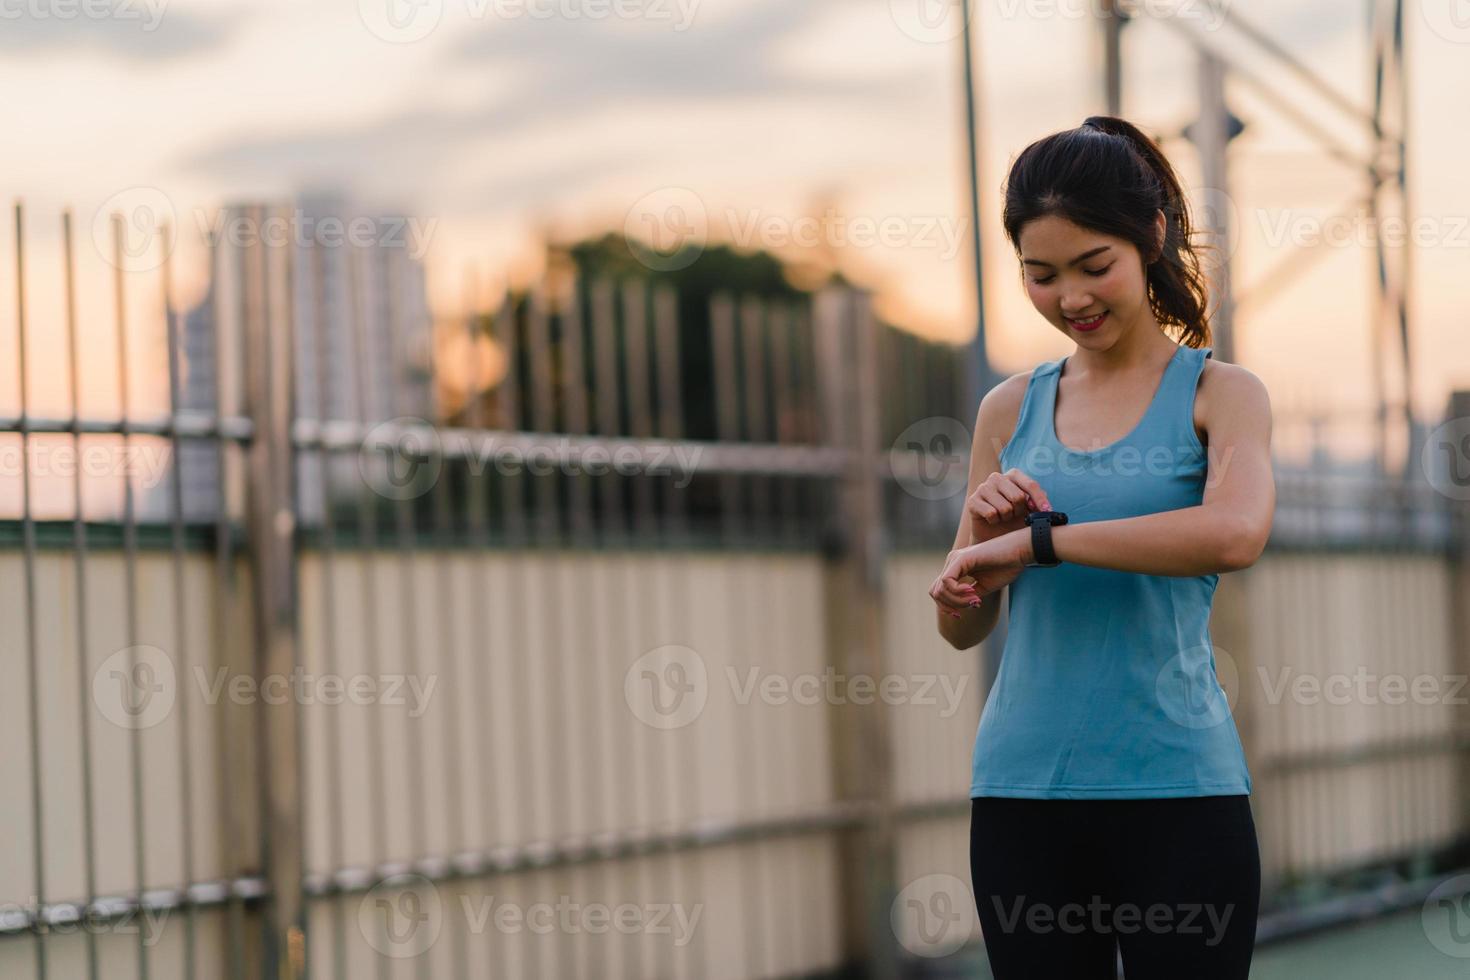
(1092, 325)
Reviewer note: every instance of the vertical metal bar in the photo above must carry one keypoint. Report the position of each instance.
(1405, 292)
(547, 489)
(332, 719)
(367, 532)
(479, 539)
(224, 575)
(477, 487)
(28, 537)
(786, 526)
(176, 558)
(980, 370)
(543, 411)
(670, 399)
(728, 429)
(1112, 28)
(574, 406)
(449, 652)
(1212, 137)
(404, 527)
(79, 571)
(272, 544)
(808, 417)
(784, 398)
(640, 424)
(608, 414)
(672, 534)
(763, 598)
(640, 404)
(607, 422)
(130, 577)
(727, 422)
(518, 781)
(753, 359)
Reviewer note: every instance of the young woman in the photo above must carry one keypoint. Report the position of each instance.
(1110, 796)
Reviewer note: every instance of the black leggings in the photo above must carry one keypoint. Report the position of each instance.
(1062, 885)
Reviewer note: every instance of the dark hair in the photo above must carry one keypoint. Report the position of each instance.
(1108, 176)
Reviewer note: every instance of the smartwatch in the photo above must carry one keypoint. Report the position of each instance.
(1041, 522)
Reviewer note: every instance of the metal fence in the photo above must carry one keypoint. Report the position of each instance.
(584, 674)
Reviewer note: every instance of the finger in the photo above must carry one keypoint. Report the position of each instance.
(951, 592)
(991, 504)
(1038, 496)
(941, 594)
(1015, 497)
(981, 510)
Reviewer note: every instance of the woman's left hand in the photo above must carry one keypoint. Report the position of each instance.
(991, 565)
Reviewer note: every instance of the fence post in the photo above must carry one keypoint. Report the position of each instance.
(270, 542)
(1459, 409)
(847, 373)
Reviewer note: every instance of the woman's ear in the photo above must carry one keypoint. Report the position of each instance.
(1161, 231)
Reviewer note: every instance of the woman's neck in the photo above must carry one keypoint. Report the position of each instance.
(1139, 348)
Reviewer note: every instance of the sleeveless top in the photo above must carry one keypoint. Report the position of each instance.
(1107, 687)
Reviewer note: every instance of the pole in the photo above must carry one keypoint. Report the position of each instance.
(980, 380)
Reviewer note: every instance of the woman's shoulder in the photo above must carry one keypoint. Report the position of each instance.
(1000, 409)
(1226, 388)
(1225, 383)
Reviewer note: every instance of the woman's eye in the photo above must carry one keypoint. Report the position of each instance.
(1095, 273)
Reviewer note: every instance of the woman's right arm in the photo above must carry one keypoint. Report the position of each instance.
(994, 423)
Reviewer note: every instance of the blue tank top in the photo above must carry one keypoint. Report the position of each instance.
(1107, 688)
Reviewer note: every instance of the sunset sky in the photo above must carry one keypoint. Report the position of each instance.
(504, 119)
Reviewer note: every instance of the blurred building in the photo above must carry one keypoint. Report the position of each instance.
(356, 297)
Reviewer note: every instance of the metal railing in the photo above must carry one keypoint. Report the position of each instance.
(756, 491)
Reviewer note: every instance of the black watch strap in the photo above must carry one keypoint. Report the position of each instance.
(1041, 522)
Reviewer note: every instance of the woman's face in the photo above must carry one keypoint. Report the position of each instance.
(1074, 275)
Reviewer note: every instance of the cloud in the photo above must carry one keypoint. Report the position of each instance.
(566, 69)
(143, 31)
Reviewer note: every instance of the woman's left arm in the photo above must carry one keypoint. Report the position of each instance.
(1226, 532)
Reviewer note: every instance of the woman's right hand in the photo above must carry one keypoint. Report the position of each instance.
(1001, 502)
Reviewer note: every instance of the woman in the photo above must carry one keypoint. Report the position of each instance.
(1110, 796)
